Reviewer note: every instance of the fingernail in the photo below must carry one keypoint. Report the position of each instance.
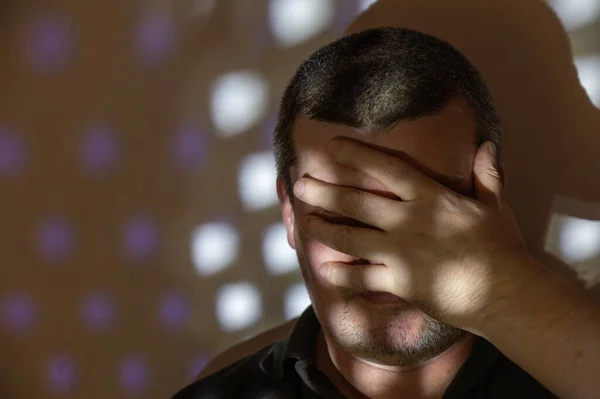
(334, 146)
(298, 188)
(323, 271)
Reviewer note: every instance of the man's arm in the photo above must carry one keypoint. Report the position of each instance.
(552, 331)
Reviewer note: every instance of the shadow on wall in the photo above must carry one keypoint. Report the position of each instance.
(551, 128)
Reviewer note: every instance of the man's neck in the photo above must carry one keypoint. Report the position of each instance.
(358, 379)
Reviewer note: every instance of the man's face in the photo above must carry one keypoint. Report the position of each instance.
(380, 328)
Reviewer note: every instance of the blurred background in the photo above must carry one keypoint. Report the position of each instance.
(139, 227)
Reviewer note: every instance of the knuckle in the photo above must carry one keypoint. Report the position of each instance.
(353, 201)
(392, 165)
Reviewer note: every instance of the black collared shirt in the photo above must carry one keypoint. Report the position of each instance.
(287, 369)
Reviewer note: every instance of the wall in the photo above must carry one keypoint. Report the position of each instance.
(137, 187)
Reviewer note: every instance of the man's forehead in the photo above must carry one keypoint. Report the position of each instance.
(425, 146)
(340, 175)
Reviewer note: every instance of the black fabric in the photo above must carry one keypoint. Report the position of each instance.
(287, 369)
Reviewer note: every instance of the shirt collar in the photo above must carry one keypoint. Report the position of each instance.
(482, 357)
(300, 344)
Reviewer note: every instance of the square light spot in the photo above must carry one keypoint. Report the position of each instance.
(295, 21)
(238, 306)
(257, 181)
(278, 256)
(214, 247)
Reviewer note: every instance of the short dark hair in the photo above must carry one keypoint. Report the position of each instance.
(373, 79)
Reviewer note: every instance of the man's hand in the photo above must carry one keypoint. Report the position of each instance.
(454, 257)
(461, 260)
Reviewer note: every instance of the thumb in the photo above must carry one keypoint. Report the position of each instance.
(488, 182)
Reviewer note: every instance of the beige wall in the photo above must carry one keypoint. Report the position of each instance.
(109, 160)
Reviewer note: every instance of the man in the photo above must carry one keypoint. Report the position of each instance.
(390, 184)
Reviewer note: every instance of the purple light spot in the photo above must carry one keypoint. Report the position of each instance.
(18, 312)
(55, 239)
(140, 238)
(98, 311)
(49, 43)
(61, 374)
(156, 37)
(174, 311)
(99, 149)
(134, 374)
(196, 366)
(189, 147)
(11, 152)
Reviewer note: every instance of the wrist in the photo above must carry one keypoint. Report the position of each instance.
(522, 288)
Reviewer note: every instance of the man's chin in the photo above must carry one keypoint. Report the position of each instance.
(393, 334)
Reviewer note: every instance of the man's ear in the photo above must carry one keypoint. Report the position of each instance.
(287, 213)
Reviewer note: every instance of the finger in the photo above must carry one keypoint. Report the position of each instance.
(368, 208)
(356, 241)
(359, 278)
(400, 177)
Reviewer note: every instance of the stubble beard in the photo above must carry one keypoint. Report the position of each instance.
(395, 337)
